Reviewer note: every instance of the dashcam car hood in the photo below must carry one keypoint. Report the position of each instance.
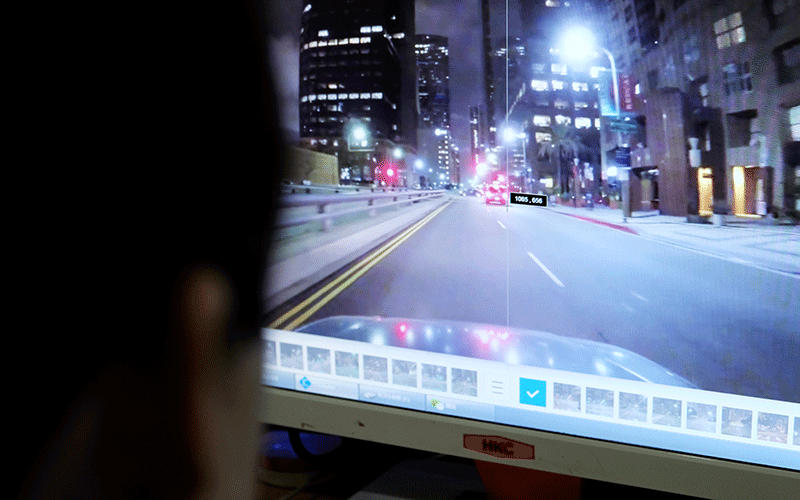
(495, 343)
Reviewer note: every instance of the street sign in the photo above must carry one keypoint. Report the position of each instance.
(537, 200)
(619, 124)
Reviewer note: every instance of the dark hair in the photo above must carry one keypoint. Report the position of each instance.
(189, 176)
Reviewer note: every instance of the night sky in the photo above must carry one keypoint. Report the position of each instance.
(460, 21)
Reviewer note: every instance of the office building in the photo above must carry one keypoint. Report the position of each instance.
(434, 139)
(561, 91)
(720, 88)
(358, 82)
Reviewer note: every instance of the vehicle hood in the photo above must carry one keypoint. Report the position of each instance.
(497, 343)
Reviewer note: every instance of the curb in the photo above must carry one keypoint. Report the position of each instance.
(603, 223)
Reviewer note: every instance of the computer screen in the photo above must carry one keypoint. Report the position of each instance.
(560, 235)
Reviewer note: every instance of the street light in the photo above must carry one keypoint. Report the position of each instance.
(579, 43)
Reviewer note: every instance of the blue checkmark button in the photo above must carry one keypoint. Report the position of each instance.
(532, 392)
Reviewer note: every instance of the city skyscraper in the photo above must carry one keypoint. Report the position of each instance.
(433, 132)
(357, 65)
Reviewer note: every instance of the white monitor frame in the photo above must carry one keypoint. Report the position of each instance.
(575, 456)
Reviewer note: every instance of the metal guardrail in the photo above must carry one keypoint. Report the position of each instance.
(332, 188)
(324, 204)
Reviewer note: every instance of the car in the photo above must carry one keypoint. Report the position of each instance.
(495, 195)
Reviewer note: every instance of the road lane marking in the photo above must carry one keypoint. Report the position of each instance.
(361, 271)
(626, 306)
(643, 299)
(501, 224)
(544, 268)
(378, 254)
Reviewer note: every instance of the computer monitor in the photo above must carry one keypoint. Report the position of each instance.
(574, 289)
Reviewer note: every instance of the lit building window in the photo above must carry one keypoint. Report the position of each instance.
(558, 85)
(304, 98)
(543, 137)
(597, 123)
(729, 30)
(322, 33)
(323, 43)
(580, 86)
(352, 95)
(583, 122)
(377, 95)
(322, 97)
(312, 45)
(558, 69)
(354, 40)
(551, 3)
(637, 89)
(541, 120)
(342, 96)
(308, 7)
(377, 29)
(561, 104)
(538, 68)
(539, 85)
(399, 35)
(737, 78)
(563, 120)
(365, 95)
(581, 105)
(365, 39)
(594, 71)
(794, 122)
(365, 29)
(343, 41)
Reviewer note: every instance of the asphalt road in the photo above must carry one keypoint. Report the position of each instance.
(725, 326)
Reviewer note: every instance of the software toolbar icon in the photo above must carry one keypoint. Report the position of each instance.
(532, 392)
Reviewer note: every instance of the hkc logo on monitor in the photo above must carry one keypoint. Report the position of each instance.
(500, 447)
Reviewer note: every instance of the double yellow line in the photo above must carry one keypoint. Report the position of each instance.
(339, 284)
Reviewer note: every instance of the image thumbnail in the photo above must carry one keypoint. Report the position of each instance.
(291, 356)
(404, 373)
(599, 402)
(434, 377)
(566, 397)
(465, 382)
(737, 422)
(632, 407)
(667, 412)
(347, 364)
(772, 427)
(701, 417)
(376, 369)
(272, 353)
(319, 360)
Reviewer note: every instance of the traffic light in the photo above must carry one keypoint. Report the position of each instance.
(387, 173)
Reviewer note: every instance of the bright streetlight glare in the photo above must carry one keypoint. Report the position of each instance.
(578, 43)
(360, 133)
(419, 164)
(398, 153)
(510, 134)
(390, 172)
(482, 169)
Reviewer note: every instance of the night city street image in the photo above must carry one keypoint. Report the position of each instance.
(661, 242)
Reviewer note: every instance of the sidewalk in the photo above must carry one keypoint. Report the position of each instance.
(772, 247)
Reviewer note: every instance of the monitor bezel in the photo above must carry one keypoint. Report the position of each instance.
(588, 458)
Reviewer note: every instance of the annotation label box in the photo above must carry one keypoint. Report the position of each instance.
(536, 200)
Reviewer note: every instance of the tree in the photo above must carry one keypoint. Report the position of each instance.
(564, 145)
